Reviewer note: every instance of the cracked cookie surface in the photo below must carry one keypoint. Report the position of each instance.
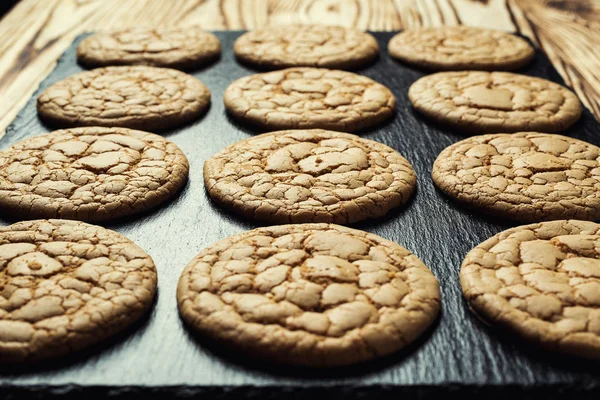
(90, 174)
(306, 46)
(66, 285)
(309, 176)
(311, 294)
(486, 102)
(540, 282)
(460, 48)
(304, 98)
(179, 48)
(138, 97)
(526, 176)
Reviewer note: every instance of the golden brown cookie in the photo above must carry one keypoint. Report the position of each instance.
(484, 102)
(304, 98)
(306, 46)
(180, 48)
(458, 48)
(526, 176)
(138, 97)
(309, 176)
(540, 282)
(66, 285)
(314, 294)
(89, 174)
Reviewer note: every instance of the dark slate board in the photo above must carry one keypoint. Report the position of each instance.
(159, 357)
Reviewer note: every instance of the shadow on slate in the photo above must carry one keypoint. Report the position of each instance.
(459, 356)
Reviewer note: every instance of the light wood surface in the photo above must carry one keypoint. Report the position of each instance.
(35, 33)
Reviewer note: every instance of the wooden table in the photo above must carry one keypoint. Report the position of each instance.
(35, 33)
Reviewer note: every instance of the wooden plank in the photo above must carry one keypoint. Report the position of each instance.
(569, 32)
(34, 34)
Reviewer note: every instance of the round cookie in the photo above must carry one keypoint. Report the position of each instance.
(460, 48)
(540, 282)
(89, 174)
(306, 46)
(526, 176)
(67, 285)
(180, 48)
(485, 102)
(304, 98)
(138, 97)
(309, 176)
(315, 295)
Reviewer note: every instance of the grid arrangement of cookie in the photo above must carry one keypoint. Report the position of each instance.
(308, 292)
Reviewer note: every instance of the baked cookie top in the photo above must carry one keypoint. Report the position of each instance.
(304, 98)
(306, 46)
(137, 97)
(66, 285)
(309, 176)
(311, 294)
(526, 176)
(485, 102)
(459, 48)
(179, 48)
(540, 282)
(90, 174)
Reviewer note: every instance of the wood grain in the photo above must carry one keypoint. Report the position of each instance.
(35, 33)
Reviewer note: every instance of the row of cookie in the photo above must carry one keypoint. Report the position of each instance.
(326, 295)
(157, 99)
(442, 48)
(307, 294)
(295, 176)
(301, 176)
(191, 48)
(98, 174)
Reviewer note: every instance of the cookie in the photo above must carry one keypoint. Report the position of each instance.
(526, 176)
(486, 102)
(304, 98)
(138, 97)
(455, 48)
(66, 285)
(315, 295)
(309, 176)
(180, 48)
(306, 46)
(89, 174)
(540, 282)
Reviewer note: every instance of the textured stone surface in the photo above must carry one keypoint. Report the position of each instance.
(309, 176)
(460, 356)
(460, 48)
(89, 174)
(484, 102)
(296, 98)
(309, 294)
(180, 48)
(137, 97)
(541, 282)
(526, 176)
(66, 285)
(306, 46)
